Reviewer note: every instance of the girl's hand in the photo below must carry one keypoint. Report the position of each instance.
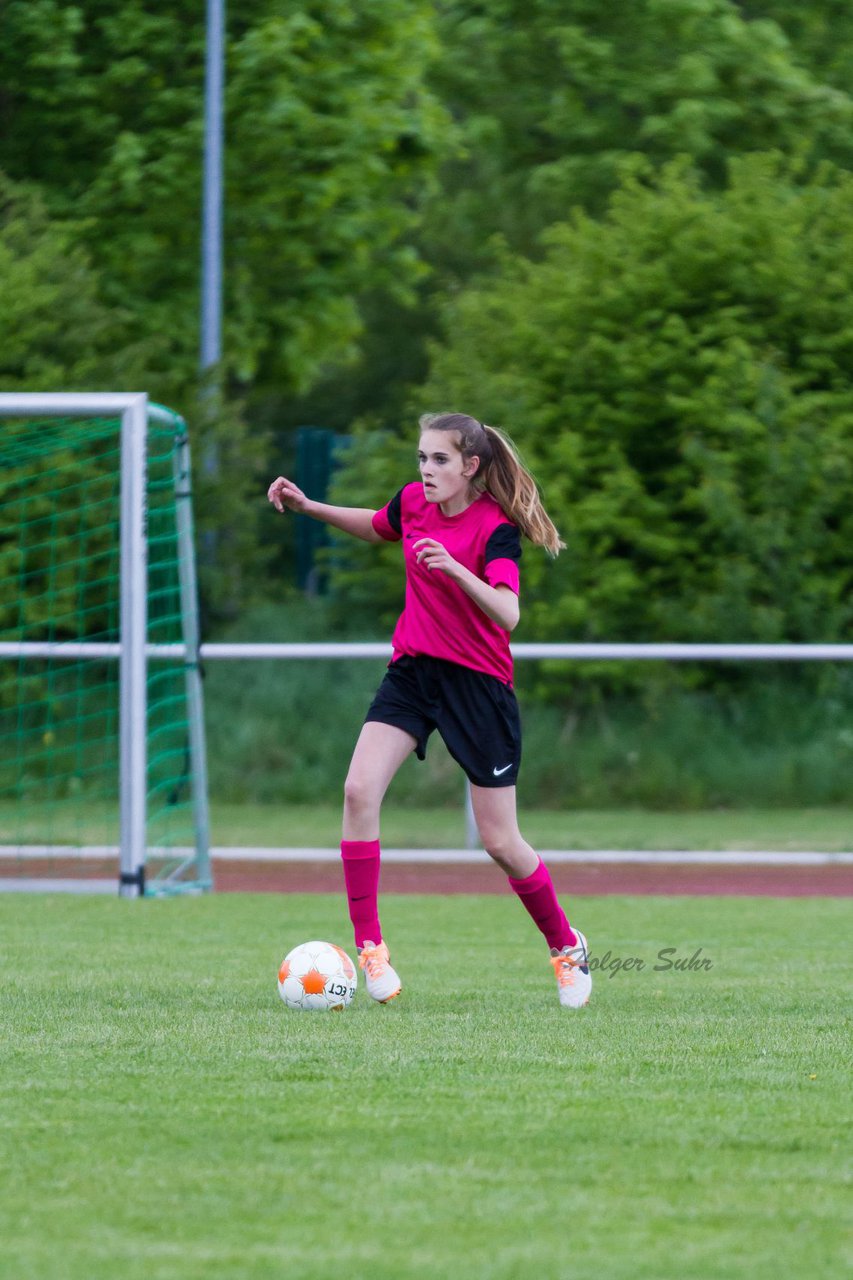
(498, 603)
(284, 494)
(434, 556)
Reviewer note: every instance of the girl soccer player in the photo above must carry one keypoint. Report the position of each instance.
(451, 670)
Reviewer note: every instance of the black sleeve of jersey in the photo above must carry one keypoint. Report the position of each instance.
(504, 543)
(395, 512)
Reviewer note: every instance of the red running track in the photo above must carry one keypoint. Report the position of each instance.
(831, 880)
(694, 878)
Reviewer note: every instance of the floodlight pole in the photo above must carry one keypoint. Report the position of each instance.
(211, 237)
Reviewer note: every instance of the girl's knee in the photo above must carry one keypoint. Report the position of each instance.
(509, 850)
(359, 794)
(496, 842)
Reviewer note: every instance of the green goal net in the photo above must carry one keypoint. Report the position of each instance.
(102, 772)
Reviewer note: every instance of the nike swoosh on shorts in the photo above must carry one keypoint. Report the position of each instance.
(497, 772)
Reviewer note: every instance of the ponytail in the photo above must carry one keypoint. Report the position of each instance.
(514, 489)
(502, 474)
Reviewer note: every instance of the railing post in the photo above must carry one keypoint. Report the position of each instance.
(472, 833)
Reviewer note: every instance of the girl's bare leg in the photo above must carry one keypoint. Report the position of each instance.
(497, 822)
(530, 880)
(378, 754)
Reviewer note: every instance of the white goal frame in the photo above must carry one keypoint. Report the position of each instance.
(132, 652)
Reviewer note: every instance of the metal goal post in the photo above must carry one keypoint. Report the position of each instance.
(135, 414)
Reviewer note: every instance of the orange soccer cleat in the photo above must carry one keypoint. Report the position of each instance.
(571, 968)
(380, 979)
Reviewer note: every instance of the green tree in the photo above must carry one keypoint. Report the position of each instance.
(556, 102)
(332, 134)
(678, 374)
(820, 33)
(56, 331)
(59, 333)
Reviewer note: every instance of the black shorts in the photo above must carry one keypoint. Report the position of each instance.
(476, 715)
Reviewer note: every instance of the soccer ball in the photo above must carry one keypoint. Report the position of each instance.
(317, 976)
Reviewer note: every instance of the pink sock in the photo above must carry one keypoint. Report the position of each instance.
(361, 876)
(540, 900)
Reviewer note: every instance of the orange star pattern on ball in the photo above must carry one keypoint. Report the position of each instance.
(313, 982)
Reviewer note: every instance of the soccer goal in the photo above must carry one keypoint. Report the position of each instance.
(102, 752)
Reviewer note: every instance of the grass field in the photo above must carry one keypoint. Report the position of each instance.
(164, 1117)
(828, 829)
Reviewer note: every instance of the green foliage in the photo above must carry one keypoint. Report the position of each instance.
(57, 519)
(334, 133)
(368, 578)
(679, 372)
(331, 134)
(820, 32)
(769, 743)
(56, 331)
(771, 738)
(388, 161)
(257, 745)
(229, 487)
(557, 102)
(112, 134)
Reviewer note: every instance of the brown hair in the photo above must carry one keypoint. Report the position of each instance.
(501, 473)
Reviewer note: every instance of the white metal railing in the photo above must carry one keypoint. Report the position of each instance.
(71, 650)
(382, 649)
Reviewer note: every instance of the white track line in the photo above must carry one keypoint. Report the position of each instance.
(59, 886)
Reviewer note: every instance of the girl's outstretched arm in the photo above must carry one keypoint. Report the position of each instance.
(286, 496)
(498, 603)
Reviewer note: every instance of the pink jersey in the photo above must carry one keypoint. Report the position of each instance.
(439, 620)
